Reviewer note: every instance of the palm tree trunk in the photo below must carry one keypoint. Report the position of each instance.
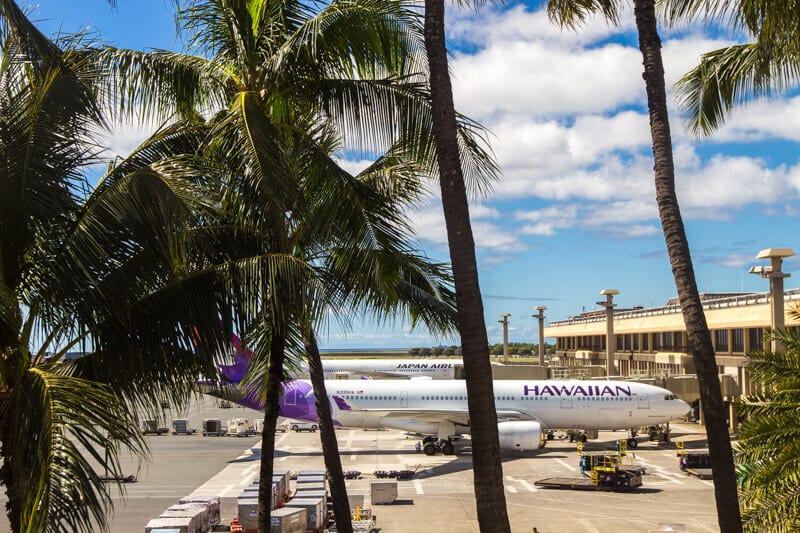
(327, 436)
(719, 441)
(487, 469)
(271, 408)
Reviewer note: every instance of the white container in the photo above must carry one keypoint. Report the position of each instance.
(212, 507)
(180, 524)
(355, 500)
(382, 491)
(247, 511)
(315, 511)
(198, 511)
(288, 520)
(300, 487)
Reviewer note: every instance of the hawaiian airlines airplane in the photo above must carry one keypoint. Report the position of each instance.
(525, 409)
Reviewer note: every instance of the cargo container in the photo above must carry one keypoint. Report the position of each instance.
(213, 427)
(383, 491)
(306, 478)
(312, 494)
(247, 511)
(180, 426)
(239, 427)
(176, 523)
(212, 506)
(315, 511)
(304, 473)
(310, 486)
(288, 520)
(198, 514)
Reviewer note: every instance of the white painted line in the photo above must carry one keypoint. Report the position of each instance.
(528, 486)
(418, 486)
(512, 490)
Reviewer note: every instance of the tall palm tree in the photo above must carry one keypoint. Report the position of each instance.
(767, 449)
(487, 470)
(734, 75)
(571, 12)
(89, 269)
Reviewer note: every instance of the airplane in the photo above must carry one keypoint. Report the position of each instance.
(353, 368)
(525, 409)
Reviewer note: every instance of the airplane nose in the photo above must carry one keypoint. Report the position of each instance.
(681, 408)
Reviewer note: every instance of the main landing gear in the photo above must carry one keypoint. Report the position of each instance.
(430, 446)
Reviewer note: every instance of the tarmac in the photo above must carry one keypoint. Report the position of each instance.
(439, 497)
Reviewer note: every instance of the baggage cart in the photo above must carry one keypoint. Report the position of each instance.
(197, 512)
(150, 427)
(239, 427)
(213, 427)
(180, 426)
(176, 523)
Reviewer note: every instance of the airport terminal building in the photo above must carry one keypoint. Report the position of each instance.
(652, 342)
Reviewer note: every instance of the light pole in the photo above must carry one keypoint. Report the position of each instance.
(776, 277)
(610, 341)
(541, 309)
(505, 334)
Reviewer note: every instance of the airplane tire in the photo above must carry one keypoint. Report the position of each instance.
(633, 444)
(429, 448)
(428, 439)
(448, 448)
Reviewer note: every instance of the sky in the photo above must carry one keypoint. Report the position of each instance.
(574, 210)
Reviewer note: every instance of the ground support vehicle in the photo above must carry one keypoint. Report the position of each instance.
(180, 426)
(694, 462)
(303, 426)
(150, 427)
(601, 478)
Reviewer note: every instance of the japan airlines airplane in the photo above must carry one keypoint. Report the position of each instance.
(525, 409)
(356, 368)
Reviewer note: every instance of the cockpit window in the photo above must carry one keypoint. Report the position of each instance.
(670, 397)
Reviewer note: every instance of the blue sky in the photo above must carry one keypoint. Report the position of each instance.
(574, 211)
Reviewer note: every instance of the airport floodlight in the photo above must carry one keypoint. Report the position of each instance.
(776, 276)
(777, 253)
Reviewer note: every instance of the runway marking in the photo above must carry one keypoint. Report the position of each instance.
(418, 486)
(512, 490)
(565, 464)
(528, 486)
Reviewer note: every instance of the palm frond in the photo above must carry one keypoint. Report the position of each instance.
(66, 427)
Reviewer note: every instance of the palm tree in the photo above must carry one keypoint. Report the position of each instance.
(346, 251)
(734, 75)
(263, 67)
(767, 449)
(569, 13)
(488, 470)
(86, 269)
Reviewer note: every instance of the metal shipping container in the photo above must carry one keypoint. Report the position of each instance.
(197, 511)
(311, 494)
(288, 520)
(211, 503)
(180, 524)
(310, 486)
(315, 511)
(383, 491)
(247, 511)
(213, 427)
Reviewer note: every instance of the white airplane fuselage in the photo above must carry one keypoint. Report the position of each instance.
(439, 407)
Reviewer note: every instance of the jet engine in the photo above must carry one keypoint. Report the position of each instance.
(520, 435)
